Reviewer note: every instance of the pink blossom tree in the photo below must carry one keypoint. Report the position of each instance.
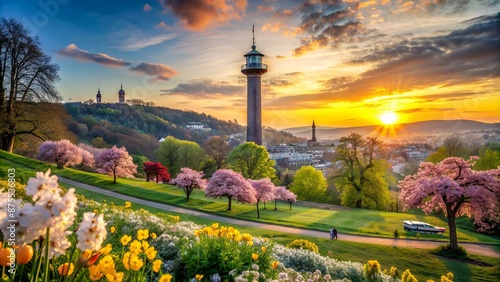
(189, 180)
(264, 191)
(285, 195)
(454, 187)
(64, 153)
(230, 184)
(116, 162)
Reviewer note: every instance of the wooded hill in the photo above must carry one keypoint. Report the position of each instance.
(139, 127)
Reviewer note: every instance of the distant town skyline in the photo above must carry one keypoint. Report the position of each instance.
(341, 63)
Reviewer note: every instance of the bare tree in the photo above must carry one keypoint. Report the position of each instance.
(26, 75)
(454, 147)
(218, 149)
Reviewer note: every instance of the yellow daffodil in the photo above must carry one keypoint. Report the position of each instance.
(145, 245)
(153, 235)
(126, 260)
(66, 269)
(151, 253)
(247, 237)
(198, 277)
(197, 233)
(275, 264)
(106, 250)
(165, 278)
(215, 226)
(112, 229)
(255, 256)
(95, 272)
(156, 265)
(107, 265)
(128, 205)
(142, 234)
(135, 247)
(125, 239)
(95, 211)
(136, 263)
(263, 248)
(250, 243)
(116, 277)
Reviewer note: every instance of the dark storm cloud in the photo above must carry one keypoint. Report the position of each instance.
(325, 23)
(205, 88)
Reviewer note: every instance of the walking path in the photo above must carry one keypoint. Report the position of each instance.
(473, 248)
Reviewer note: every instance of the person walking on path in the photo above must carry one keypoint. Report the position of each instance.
(334, 233)
(331, 233)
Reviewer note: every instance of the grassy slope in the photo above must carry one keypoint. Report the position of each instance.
(423, 264)
(354, 221)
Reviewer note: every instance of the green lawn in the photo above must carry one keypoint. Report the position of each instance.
(353, 221)
(422, 263)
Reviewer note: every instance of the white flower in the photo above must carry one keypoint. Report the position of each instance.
(215, 278)
(42, 182)
(59, 243)
(91, 232)
(51, 204)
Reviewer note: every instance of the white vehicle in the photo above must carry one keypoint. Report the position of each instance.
(418, 226)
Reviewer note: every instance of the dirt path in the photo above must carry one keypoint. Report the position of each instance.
(473, 248)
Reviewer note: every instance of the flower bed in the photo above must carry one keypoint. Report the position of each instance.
(75, 239)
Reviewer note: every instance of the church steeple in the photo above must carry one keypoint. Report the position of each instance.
(98, 97)
(121, 95)
(313, 139)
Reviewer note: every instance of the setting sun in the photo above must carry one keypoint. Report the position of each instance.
(388, 118)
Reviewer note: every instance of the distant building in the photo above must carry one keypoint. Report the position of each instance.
(121, 95)
(313, 141)
(98, 97)
(195, 125)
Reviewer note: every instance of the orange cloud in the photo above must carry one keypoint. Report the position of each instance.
(160, 72)
(82, 55)
(273, 27)
(265, 9)
(161, 25)
(147, 8)
(200, 14)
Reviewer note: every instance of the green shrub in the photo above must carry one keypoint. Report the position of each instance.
(447, 251)
(303, 244)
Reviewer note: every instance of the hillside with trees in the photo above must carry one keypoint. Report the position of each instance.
(138, 127)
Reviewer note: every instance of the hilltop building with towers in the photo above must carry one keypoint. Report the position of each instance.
(121, 95)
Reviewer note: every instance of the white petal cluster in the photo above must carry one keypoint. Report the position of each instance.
(91, 232)
(26, 222)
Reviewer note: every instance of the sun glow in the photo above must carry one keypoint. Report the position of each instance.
(388, 118)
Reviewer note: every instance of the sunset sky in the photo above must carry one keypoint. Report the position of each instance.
(341, 63)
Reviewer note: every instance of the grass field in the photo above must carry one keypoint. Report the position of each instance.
(353, 221)
(421, 262)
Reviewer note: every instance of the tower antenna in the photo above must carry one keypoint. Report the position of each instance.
(253, 35)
